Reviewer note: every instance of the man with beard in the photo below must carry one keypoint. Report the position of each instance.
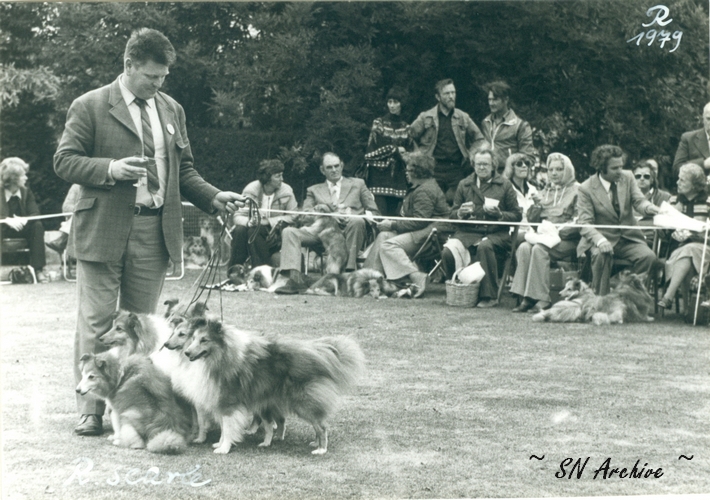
(449, 135)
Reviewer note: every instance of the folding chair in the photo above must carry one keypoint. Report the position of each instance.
(15, 251)
(429, 251)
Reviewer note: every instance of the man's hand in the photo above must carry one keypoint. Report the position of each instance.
(605, 247)
(494, 211)
(653, 210)
(229, 201)
(128, 169)
(706, 164)
(16, 223)
(385, 225)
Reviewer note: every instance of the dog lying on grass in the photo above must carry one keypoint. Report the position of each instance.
(627, 302)
(145, 413)
(245, 374)
(356, 284)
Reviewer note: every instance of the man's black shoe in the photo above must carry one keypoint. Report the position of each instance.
(89, 425)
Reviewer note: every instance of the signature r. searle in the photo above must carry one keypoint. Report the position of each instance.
(152, 475)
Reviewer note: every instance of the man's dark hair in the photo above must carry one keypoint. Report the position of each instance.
(267, 168)
(149, 45)
(601, 156)
(500, 89)
(422, 165)
(441, 84)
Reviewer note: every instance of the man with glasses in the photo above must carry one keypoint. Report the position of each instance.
(503, 129)
(484, 196)
(449, 135)
(338, 194)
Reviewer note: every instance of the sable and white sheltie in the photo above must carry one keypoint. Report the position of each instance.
(327, 229)
(246, 374)
(133, 333)
(356, 284)
(628, 302)
(145, 413)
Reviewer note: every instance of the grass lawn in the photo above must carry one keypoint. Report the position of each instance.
(454, 403)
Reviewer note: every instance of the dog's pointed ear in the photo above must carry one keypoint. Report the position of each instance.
(214, 327)
(100, 363)
(115, 314)
(171, 303)
(85, 357)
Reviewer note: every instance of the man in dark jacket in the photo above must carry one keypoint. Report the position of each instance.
(484, 196)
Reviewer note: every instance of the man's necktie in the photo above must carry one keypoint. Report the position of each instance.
(13, 204)
(615, 198)
(148, 146)
(334, 194)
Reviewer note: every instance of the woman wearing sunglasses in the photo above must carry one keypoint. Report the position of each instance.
(556, 203)
(518, 170)
(646, 178)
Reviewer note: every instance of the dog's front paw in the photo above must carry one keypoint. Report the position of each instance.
(200, 439)
(223, 449)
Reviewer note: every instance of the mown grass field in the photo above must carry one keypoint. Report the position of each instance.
(454, 404)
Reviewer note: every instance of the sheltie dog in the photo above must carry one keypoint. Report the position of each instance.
(133, 333)
(356, 284)
(145, 413)
(251, 374)
(261, 277)
(327, 229)
(627, 302)
(196, 252)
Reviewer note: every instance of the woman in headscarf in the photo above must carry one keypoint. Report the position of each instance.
(692, 200)
(557, 203)
(383, 162)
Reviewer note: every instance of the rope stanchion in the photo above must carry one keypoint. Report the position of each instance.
(700, 274)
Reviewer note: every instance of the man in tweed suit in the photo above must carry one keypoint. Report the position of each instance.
(607, 199)
(338, 194)
(125, 232)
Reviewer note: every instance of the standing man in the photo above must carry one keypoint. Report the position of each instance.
(694, 147)
(504, 131)
(126, 145)
(449, 135)
(337, 194)
(609, 198)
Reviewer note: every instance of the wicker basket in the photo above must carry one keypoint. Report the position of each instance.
(460, 295)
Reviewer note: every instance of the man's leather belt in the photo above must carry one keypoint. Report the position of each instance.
(142, 210)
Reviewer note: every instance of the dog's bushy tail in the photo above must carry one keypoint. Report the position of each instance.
(343, 360)
(167, 442)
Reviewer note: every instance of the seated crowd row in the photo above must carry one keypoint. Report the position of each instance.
(474, 225)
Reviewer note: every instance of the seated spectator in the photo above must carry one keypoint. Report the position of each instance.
(607, 199)
(694, 146)
(483, 196)
(556, 203)
(59, 244)
(16, 204)
(338, 194)
(270, 193)
(399, 240)
(518, 171)
(647, 179)
(692, 200)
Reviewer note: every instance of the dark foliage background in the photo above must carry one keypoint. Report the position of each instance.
(265, 79)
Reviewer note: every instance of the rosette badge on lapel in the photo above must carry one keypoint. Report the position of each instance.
(171, 129)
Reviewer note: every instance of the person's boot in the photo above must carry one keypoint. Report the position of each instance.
(419, 280)
(58, 244)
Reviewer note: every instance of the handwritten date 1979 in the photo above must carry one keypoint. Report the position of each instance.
(662, 19)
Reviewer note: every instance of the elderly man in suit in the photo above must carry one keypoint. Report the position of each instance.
(16, 204)
(126, 145)
(694, 146)
(337, 194)
(609, 198)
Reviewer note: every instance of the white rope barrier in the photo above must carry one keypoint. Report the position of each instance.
(465, 221)
(38, 217)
